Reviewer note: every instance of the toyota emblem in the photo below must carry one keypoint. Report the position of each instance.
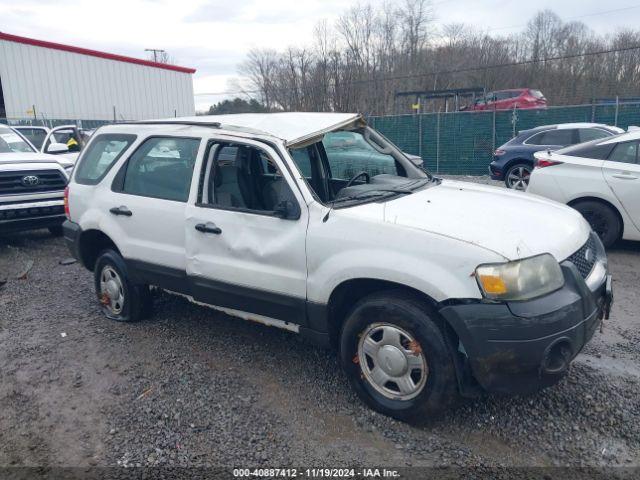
(30, 181)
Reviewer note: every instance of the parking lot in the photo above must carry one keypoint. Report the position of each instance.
(193, 387)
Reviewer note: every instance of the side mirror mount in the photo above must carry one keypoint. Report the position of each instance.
(415, 159)
(57, 148)
(287, 210)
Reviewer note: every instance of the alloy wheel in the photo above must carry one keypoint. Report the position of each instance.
(518, 177)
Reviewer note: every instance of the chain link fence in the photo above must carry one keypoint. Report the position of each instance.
(456, 143)
(462, 143)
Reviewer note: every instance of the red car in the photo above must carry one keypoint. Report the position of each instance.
(521, 98)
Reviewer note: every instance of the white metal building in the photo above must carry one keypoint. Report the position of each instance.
(65, 82)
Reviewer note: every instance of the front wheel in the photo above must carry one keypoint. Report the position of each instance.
(603, 220)
(517, 176)
(396, 357)
(119, 297)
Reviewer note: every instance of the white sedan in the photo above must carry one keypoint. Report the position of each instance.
(600, 179)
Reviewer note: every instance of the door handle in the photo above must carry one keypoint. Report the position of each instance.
(122, 210)
(208, 227)
(625, 176)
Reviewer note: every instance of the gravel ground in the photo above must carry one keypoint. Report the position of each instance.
(193, 387)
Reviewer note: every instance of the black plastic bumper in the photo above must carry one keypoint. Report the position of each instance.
(71, 232)
(519, 347)
(495, 172)
(31, 223)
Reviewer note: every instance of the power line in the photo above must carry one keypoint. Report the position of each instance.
(604, 12)
(449, 72)
(155, 51)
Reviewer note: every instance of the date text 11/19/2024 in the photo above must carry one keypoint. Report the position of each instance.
(315, 473)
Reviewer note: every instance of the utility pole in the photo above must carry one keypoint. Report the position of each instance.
(155, 51)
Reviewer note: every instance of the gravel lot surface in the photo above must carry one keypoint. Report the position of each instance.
(193, 387)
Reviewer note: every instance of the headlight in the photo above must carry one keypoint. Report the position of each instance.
(68, 170)
(520, 280)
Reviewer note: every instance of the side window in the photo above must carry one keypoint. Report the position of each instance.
(162, 167)
(349, 153)
(243, 177)
(302, 157)
(625, 153)
(588, 134)
(559, 137)
(103, 152)
(505, 95)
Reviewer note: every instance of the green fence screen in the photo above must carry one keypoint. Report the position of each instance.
(462, 143)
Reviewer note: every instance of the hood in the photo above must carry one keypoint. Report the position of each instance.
(32, 158)
(292, 127)
(512, 224)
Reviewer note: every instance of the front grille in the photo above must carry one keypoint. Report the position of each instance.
(21, 182)
(30, 212)
(585, 258)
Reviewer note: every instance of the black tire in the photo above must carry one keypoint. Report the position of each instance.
(416, 318)
(603, 219)
(521, 170)
(56, 231)
(136, 301)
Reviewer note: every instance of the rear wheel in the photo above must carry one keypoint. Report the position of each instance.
(603, 220)
(396, 357)
(120, 299)
(517, 176)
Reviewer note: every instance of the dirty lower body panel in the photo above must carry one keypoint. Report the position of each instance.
(519, 347)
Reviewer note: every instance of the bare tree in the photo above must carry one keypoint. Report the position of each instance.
(361, 61)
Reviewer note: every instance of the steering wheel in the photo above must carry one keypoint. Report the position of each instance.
(357, 176)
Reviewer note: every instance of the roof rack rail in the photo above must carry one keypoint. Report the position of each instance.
(172, 122)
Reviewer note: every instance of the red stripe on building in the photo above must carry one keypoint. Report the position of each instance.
(92, 53)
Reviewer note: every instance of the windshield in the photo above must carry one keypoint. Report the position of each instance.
(35, 135)
(355, 166)
(11, 142)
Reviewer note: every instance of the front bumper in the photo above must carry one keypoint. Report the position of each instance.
(519, 347)
(20, 216)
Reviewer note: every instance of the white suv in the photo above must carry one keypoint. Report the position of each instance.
(315, 223)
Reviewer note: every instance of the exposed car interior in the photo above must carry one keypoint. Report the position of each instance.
(360, 163)
(243, 177)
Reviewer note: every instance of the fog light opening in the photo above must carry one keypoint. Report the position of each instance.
(557, 358)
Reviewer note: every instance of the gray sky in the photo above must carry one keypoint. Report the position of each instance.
(213, 36)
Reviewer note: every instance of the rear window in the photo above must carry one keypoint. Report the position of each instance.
(536, 93)
(162, 168)
(588, 150)
(101, 154)
(588, 134)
